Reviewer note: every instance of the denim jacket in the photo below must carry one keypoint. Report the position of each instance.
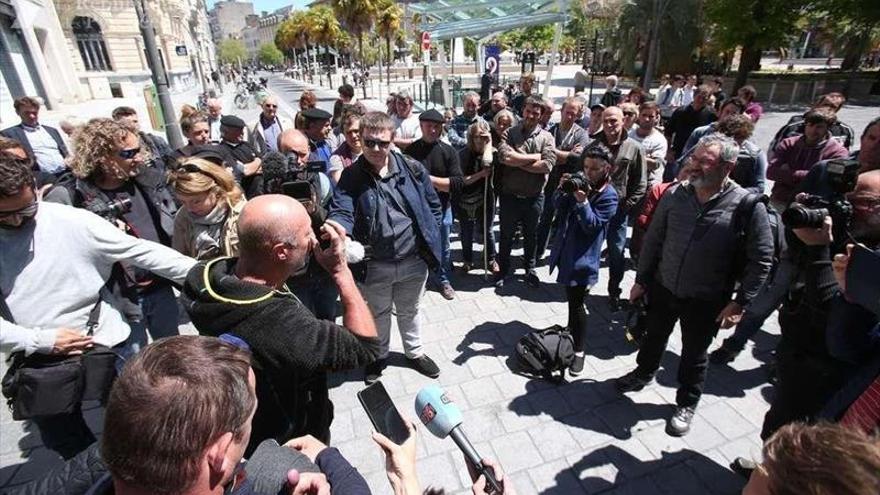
(355, 202)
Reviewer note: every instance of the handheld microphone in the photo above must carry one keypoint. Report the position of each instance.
(442, 418)
(274, 172)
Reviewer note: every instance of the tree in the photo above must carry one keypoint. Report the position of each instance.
(357, 17)
(856, 22)
(323, 27)
(293, 35)
(231, 51)
(269, 54)
(753, 25)
(388, 25)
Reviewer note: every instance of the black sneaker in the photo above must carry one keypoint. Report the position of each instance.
(577, 366)
(374, 370)
(425, 366)
(743, 467)
(633, 381)
(532, 280)
(680, 423)
(499, 281)
(722, 355)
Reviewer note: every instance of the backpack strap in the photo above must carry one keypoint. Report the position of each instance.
(742, 216)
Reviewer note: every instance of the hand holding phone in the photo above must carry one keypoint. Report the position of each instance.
(382, 413)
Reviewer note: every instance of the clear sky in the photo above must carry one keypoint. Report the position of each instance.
(270, 5)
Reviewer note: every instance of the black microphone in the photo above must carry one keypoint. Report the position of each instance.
(275, 172)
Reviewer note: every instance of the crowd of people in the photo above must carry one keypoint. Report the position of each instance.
(266, 233)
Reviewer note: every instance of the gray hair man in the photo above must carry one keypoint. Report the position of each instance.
(457, 132)
(685, 267)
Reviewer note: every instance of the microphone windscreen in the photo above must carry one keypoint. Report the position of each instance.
(268, 466)
(436, 411)
(274, 170)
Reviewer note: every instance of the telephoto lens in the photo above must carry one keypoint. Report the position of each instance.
(799, 216)
(574, 183)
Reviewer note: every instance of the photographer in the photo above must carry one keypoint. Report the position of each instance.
(303, 182)
(585, 202)
(211, 202)
(808, 373)
(112, 182)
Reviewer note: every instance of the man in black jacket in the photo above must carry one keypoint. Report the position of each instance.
(685, 120)
(42, 143)
(293, 351)
(441, 162)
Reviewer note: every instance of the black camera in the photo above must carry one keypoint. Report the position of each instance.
(109, 210)
(810, 212)
(575, 182)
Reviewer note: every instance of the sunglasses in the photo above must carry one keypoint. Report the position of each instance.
(629, 114)
(270, 106)
(28, 211)
(129, 154)
(376, 143)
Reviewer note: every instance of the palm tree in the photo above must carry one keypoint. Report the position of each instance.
(388, 24)
(323, 28)
(293, 35)
(357, 17)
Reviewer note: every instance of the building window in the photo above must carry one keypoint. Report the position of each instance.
(90, 42)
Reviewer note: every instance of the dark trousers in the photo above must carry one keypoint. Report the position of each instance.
(516, 210)
(698, 328)
(467, 225)
(66, 434)
(616, 242)
(545, 228)
(805, 383)
(577, 315)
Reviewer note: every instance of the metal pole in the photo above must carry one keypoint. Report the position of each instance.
(444, 83)
(160, 78)
(556, 36)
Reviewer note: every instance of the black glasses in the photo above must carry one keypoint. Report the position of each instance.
(192, 168)
(377, 143)
(28, 211)
(629, 114)
(268, 105)
(129, 154)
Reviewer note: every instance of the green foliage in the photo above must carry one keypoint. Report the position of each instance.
(759, 23)
(231, 51)
(269, 54)
(357, 17)
(322, 25)
(538, 38)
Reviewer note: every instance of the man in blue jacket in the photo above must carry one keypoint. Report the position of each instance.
(386, 202)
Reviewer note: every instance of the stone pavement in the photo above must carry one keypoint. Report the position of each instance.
(577, 437)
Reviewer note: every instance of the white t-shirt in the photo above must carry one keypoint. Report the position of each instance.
(655, 146)
(408, 128)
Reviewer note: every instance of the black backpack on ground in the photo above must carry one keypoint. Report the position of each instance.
(546, 352)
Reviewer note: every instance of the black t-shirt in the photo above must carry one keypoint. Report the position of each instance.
(143, 221)
(683, 122)
(440, 160)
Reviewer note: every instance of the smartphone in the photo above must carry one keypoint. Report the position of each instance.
(861, 278)
(382, 413)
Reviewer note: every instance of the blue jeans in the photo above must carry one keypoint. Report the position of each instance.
(616, 242)
(441, 275)
(515, 210)
(467, 226)
(159, 308)
(762, 306)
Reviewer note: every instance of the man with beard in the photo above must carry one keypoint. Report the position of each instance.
(685, 269)
(293, 350)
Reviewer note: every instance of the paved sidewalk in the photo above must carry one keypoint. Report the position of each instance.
(578, 437)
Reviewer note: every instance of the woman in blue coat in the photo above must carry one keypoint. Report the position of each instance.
(585, 203)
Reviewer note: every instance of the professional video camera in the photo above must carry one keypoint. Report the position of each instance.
(575, 182)
(810, 211)
(109, 210)
(285, 175)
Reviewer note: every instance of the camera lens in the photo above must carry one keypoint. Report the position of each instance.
(799, 216)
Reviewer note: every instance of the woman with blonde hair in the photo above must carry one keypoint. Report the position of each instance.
(475, 204)
(211, 202)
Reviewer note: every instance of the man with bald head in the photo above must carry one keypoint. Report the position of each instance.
(268, 126)
(630, 178)
(292, 350)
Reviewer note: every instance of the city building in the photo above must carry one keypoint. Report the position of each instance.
(227, 19)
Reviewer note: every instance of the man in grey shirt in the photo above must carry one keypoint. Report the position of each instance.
(54, 261)
(688, 269)
(527, 155)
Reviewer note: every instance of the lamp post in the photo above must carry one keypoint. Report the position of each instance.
(160, 77)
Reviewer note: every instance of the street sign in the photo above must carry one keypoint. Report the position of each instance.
(181, 50)
(426, 41)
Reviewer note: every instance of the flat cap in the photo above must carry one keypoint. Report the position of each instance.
(432, 116)
(232, 121)
(597, 105)
(316, 114)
